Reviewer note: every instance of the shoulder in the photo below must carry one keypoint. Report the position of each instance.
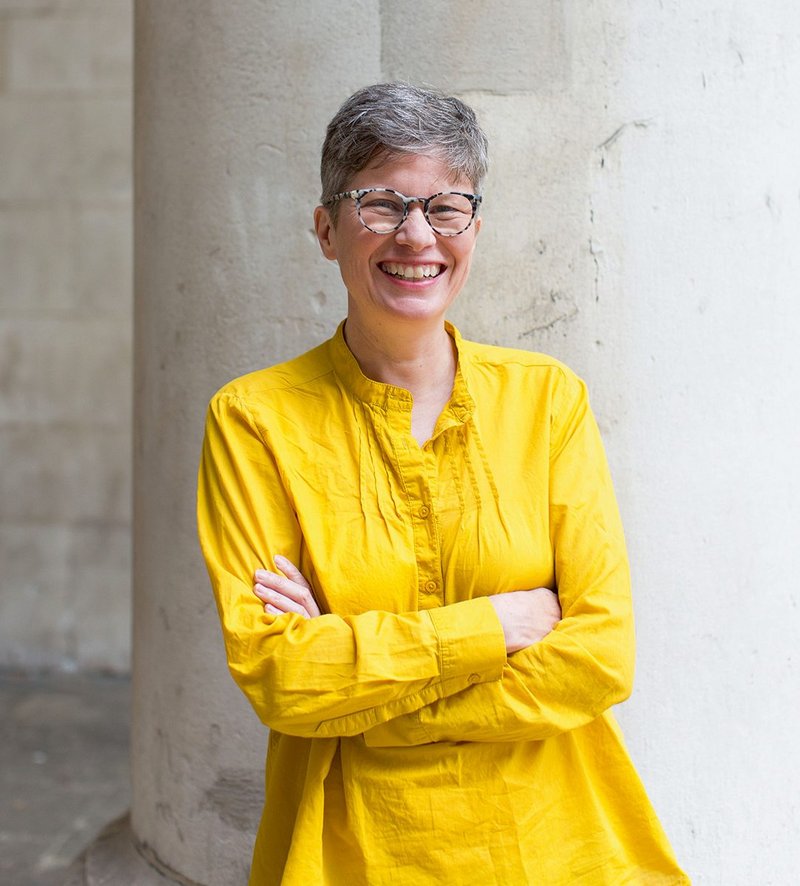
(480, 354)
(281, 381)
(511, 367)
(281, 401)
(534, 387)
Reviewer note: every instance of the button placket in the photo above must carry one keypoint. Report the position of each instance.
(420, 483)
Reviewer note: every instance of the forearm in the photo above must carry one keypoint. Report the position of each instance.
(341, 676)
(564, 681)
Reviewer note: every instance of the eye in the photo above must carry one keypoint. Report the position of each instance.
(442, 211)
(449, 206)
(382, 203)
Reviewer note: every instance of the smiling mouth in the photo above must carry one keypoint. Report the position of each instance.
(411, 272)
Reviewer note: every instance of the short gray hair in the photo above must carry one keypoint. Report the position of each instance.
(391, 119)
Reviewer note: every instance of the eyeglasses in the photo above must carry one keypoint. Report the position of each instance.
(383, 210)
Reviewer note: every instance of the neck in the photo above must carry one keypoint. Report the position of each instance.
(421, 360)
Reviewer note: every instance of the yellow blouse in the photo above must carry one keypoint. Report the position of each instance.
(405, 747)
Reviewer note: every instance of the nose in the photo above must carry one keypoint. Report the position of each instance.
(415, 232)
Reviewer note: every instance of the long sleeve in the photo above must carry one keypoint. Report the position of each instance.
(331, 675)
(586, 664)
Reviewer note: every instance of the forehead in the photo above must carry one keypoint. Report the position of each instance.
(411, 174)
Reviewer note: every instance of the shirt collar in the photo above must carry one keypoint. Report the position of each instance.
(388, 396)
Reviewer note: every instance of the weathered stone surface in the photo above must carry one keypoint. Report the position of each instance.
(72, 53)
(492, 47)
(27, 8)
(75, 473)
(65, 333)
(75, 147)
(64, 595)
(36, 260)
(63, 371)
(102, 250)
(4, 61)
(113, 858)
(67, 261)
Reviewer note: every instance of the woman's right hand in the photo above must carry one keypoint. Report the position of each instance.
(526, 616)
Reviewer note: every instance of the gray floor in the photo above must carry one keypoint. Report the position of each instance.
(64, 770)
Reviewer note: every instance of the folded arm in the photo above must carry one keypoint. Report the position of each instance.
(329, 675)
(585, 665)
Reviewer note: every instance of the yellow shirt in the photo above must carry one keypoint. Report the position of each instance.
(405, 746)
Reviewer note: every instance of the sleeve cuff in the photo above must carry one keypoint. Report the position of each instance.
(471, 641)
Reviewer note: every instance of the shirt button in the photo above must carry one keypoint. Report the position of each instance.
(474, 678)
(424, 511)
(430, 586)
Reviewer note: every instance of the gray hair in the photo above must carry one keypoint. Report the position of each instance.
(390, 119)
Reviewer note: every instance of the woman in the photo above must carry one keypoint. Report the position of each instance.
(418, 559)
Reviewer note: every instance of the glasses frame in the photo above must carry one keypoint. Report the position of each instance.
(360, 193)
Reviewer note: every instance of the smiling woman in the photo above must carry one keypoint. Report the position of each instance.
(449, 619)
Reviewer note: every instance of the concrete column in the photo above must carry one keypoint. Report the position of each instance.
(640, 216)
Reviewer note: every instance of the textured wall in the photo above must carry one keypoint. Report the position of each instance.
(697, 213)
(65, 330)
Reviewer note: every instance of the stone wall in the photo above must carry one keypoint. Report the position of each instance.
(65, 333)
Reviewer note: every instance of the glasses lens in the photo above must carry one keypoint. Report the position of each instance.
(381, 211)
(450, 213)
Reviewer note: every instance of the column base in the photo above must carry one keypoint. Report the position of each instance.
(114, 859)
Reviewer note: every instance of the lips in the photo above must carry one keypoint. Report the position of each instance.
(411, 272)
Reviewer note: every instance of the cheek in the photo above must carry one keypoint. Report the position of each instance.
(353, 268)
(464, 260)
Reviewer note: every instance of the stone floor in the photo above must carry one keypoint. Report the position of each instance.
(64, 770)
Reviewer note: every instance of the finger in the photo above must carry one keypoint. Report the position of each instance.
(273, 610)
(300, 593)
(279, 602)
(280, 583)
(291, 571)
(308, 599)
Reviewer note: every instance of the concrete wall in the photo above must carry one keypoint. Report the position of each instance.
(65, 333)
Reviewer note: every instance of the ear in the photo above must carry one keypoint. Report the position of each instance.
(326, 233)
(477, 225)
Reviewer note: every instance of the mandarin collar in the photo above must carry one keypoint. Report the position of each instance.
(386, 396)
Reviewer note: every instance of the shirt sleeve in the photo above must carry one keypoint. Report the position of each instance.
(329, 675)
(586, 664)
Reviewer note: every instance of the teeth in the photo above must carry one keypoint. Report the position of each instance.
(411, 272)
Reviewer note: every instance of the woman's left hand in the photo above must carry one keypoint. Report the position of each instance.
(289, 592)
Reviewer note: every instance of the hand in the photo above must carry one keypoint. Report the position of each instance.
(526, 616)
(289, 592)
